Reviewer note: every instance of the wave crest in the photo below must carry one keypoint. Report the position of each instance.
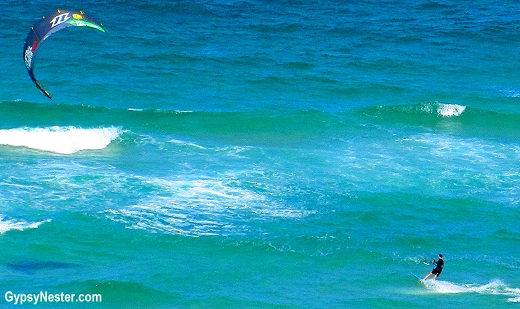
(444, 110)
(447, 110)
(9, 225)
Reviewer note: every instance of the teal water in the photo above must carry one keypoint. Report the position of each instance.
(243, 154)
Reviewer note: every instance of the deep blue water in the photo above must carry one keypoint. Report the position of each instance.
(263, 154)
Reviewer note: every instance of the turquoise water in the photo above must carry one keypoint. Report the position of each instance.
(274, 154)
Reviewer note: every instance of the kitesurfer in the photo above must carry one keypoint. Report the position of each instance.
(437, 270)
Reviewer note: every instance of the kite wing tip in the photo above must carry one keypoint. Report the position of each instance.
(45, 92)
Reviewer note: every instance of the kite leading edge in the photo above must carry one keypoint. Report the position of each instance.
(60, 19)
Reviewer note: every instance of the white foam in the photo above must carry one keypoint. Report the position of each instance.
(444, 287)
(199, 207)
(443, 109)
(495, 287)
(183, 143)
(450, 110)
(63, 140)
(9, 225)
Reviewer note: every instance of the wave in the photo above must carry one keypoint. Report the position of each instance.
(495, 287)
(449, 118)
(438, 109)
(9, 225)
(279, 126)
(63, 140)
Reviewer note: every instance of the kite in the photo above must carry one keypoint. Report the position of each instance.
(60, 19)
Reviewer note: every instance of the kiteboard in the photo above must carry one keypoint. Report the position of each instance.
(418, 278)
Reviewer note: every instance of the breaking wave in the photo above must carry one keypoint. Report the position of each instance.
(9, 225)
(63, 140)
(445, 110)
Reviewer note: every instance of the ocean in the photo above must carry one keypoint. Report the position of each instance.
(262, 154)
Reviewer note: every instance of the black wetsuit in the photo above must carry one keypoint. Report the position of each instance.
(438, 270)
